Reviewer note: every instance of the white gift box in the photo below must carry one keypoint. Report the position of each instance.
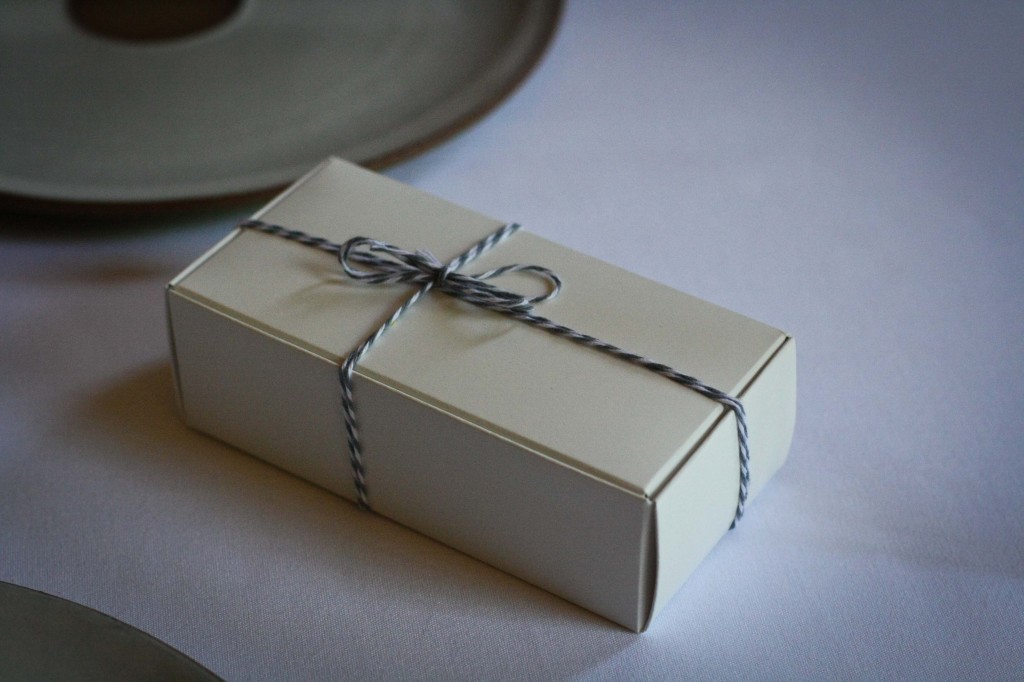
(587, 476)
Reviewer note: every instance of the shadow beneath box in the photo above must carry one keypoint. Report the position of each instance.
(410, 576)
(42, 222)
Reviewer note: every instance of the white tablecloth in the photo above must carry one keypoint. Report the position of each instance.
(853, 174)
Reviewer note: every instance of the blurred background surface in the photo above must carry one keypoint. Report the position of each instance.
(853, 174)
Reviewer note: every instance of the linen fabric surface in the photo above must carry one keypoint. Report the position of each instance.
(851, 174)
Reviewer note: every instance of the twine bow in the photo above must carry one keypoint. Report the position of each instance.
(371, 261)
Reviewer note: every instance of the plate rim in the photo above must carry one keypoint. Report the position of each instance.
(81, 609)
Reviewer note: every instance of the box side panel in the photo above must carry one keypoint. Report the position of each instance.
(265, 397)
(771, 402)
(512, 508)
(170, 344)
(535, 518)
(695, 509)
(697, 506)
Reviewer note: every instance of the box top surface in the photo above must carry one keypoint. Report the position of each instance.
(607, 418)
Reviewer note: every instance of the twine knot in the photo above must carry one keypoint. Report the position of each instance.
(371, 261)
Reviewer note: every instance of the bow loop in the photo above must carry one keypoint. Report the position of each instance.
(394, 266)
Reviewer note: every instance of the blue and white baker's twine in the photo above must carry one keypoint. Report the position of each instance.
(424, 269)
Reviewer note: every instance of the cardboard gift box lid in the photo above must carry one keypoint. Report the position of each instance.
(582, 411)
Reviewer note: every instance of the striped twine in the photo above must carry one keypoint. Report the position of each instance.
(360, 260)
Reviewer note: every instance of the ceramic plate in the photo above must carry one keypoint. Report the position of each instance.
(250, 103)
(43, 637)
